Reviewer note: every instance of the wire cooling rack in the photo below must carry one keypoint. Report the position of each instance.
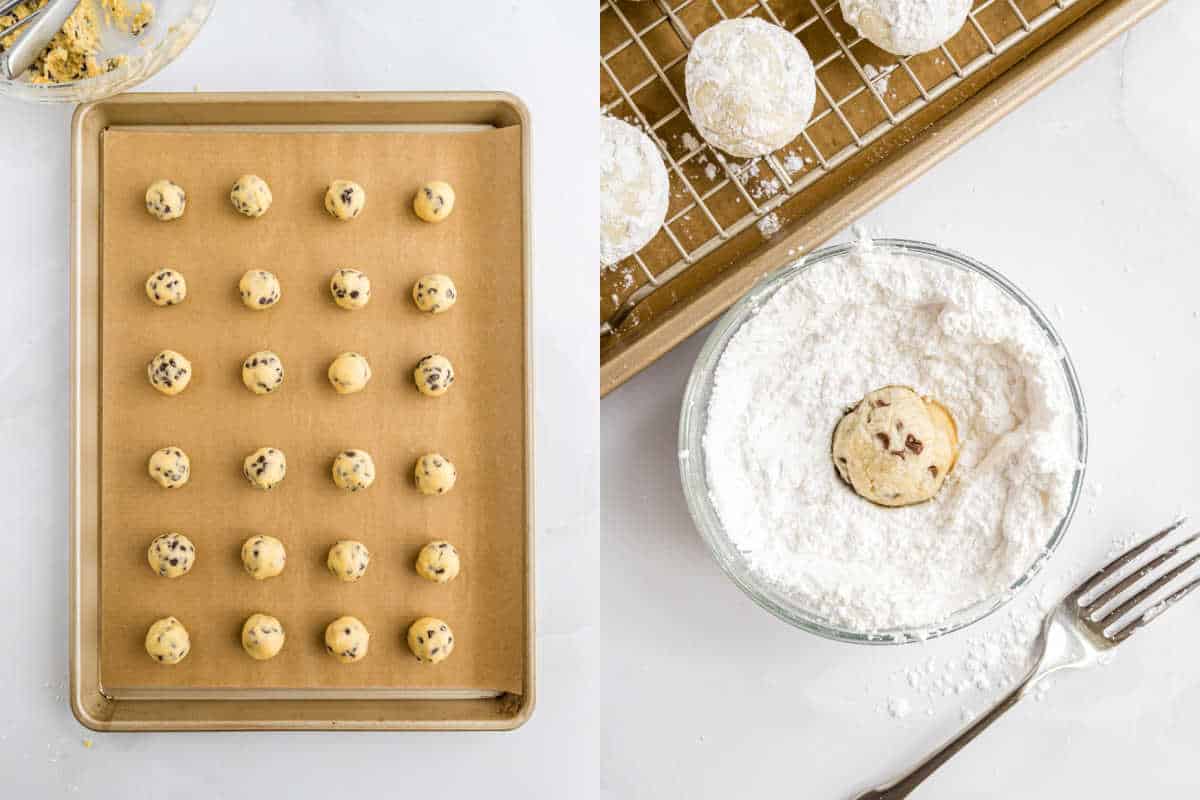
(863, 94)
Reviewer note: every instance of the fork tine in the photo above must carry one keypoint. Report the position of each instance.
(1138, 574)
(1144, 594)
(1123, 559)
(1147, 618)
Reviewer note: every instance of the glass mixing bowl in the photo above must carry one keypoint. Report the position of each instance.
(176, 23)
(694, 474)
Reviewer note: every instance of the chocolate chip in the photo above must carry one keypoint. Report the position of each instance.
(914, 444)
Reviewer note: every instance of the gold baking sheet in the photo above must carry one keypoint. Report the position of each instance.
(878, 124)
(479, 144)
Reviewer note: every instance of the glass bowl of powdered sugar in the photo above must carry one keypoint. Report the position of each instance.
(782, 367)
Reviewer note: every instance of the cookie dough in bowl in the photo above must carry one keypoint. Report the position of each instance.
(751, 86)
(798, 356)
(634, 190)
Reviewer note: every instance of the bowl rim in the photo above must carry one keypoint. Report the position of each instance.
(175, 40)
(693, 472)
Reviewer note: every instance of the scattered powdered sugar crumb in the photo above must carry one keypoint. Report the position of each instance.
(878, 78)
(793, 163)
(767, 187)
(769, 225)
(689, 141)
(950, 334)
(898, 707)
(983, 666)
(710, 171)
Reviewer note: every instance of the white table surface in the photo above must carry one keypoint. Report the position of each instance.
(1089, 198)
(532, 49)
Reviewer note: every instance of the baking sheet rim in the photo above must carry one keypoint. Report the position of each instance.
(78, 265)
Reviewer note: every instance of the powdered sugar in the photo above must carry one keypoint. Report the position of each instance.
(848, 325)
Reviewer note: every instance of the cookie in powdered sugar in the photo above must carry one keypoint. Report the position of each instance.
(847, 325)
(634, 190)
(906, 27)
(750, 86)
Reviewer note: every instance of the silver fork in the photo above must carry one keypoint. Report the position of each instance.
(1073, 638)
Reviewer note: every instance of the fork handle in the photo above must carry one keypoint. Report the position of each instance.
(904, 786)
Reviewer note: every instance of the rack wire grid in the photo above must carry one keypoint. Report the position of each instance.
(862, 94)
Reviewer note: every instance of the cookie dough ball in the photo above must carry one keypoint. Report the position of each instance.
(438, 562)
(167, 641)
(259, 289)
(251, 196)
(262, 372)
(347, 639)
(348, 560)
(435, 474)
(895, 448)
(265, 468)
(906, 27)
(430, 640)
(434, 293)
(349, 373)
(166, 287)
(263, 557)
(345, 200)
(165, 200)
(434, 201)
(170, 467)
(434, 375)
(262, 637)
(750, 85)
(171, 555)
(353, 470)
(169, 372)
(350, 288)
(634, 190)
